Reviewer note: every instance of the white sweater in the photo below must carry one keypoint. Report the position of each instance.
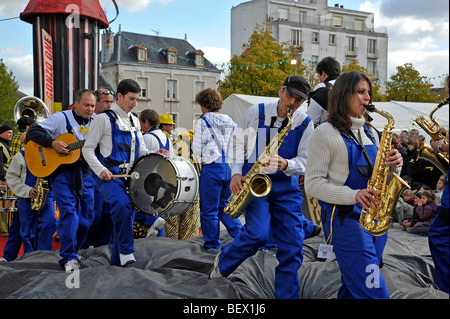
(327, 166)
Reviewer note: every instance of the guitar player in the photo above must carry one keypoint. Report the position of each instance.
(72, 184)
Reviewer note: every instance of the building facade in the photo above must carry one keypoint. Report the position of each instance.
(319, 29)
(170, 72)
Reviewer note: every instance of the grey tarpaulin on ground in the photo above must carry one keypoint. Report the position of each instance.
(167, 268)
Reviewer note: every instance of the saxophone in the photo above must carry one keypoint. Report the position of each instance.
(377, 220)
(256, 184)
(42, 187)
(441, 160)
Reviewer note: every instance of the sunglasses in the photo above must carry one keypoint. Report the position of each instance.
(105, 93)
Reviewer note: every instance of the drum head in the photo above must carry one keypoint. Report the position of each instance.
(156, 187)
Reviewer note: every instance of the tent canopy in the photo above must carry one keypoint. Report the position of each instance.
(403, 112)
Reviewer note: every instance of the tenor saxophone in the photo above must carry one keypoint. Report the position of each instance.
(42, 187)
(255, 183)
(433, 129)
(388, 185)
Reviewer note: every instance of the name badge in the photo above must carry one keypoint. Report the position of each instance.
(83, 129)
(325, 251)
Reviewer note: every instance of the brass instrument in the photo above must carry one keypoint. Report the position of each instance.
(377, 220)
(43, 188)
(32, 107)
(256, 184)
(441, 160)
(36, 109)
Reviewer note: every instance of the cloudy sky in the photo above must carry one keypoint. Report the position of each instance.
(418, 30)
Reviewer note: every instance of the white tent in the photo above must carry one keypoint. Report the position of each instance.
(403, 112)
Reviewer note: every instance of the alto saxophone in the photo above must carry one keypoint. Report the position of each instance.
(42, 187)
(377, 220)
(441, 160)
(256, 184)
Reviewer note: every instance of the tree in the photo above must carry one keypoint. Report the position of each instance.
(8, 99)
(408, 85)
(262, 67)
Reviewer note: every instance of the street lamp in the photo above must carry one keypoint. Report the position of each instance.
(294, 62)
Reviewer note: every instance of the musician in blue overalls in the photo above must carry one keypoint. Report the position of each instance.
(211, 141)
(438, 235)
(36, 227)
(112, 146)
(341, 157)
(72, 184)
(280, 212)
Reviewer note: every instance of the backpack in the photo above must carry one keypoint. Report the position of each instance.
(320, 95)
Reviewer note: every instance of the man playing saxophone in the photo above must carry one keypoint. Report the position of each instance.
(276, 217)
(36, 227)
(341, 159)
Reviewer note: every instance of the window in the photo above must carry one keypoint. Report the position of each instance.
(371, 46)
(359, 24)
(338, 21)
(372, 67)
(332, 39)
(142, 53)
(172, 56)
(351, 44)
(199, 86)
(172, 90)
(302, 17)
(199, 59)
(143, 83)
(283, 14)
(295, 37)
(315, 37)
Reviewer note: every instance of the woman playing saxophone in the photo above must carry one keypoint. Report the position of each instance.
(341, 158)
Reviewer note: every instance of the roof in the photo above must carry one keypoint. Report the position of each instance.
(157, 50)
(91, 9)
(403, 112)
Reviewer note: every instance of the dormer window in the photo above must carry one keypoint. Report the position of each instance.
(172, 56)
(142, 53)
(199, 59)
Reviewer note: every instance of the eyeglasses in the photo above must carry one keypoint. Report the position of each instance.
(104, 92)
(292, 96)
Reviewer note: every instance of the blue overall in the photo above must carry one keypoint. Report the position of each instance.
(36, 228)
(438, 239)
(75, 203)
(357, 251)
(114, 192)
(276, 217)
(214, 191)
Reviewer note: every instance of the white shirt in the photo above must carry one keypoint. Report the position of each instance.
(203, 145)
(244, 138)
(15, 176)
(152, 143)
(56, 125)
(100, 134)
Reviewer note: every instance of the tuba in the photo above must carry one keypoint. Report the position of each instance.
(388, 185)
(441, 160)
(42, 187)
(256, 184)
(32, 107)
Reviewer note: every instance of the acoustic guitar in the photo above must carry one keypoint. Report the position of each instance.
(43, 161)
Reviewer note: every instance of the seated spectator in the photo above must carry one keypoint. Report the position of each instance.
(424, 213)
(405, 206)
(440, 185)
(414, 185)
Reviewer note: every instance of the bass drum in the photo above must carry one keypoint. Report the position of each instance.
(166, 185)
